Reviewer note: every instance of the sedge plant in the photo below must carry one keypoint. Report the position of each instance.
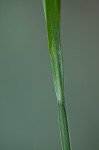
(52, 9)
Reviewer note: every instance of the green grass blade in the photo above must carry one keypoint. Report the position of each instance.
(52, 7)
(52, 15)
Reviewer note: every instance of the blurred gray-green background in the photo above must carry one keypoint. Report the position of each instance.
(28, 106)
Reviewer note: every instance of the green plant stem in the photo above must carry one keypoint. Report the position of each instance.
(52, 16)
(63, 123)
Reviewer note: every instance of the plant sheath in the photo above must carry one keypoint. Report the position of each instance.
(52, 16)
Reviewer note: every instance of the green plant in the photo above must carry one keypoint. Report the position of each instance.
(52, 15)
